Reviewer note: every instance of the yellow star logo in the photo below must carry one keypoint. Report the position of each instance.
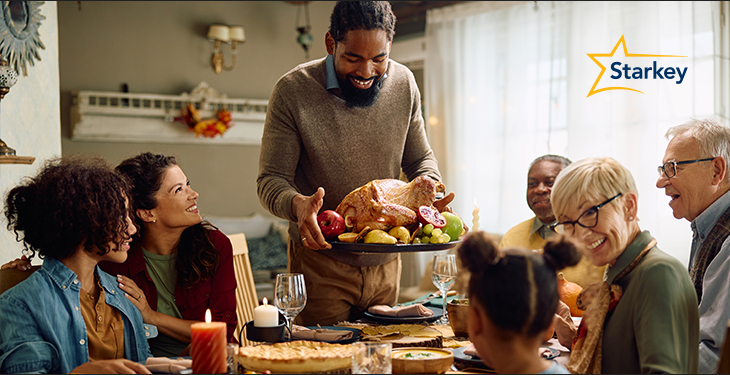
(603, 68)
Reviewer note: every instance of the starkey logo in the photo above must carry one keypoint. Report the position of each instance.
(620, 70)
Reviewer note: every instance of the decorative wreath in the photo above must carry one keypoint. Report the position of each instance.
(206, 127)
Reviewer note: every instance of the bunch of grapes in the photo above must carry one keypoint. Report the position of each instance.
(429, 234)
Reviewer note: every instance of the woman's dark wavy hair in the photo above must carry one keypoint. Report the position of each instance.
(516, 287)
(71, 201)
(361, 15)
(197, 256)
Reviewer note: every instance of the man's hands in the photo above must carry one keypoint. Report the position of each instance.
(306, 209)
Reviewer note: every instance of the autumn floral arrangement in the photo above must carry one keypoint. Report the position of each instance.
(208, 128)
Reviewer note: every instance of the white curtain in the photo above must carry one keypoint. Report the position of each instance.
(505, 86)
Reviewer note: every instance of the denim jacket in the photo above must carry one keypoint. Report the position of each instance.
(42, 329)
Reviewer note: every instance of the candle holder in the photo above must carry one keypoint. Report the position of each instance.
(266, 334)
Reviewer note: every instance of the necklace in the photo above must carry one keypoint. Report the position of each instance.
(152, 269)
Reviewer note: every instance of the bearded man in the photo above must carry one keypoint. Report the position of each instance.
(335, 124)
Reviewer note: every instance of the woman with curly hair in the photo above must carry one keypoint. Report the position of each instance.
(513, 295)
(74, 213)
(179, 265)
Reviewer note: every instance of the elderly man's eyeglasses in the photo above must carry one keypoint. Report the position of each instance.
(670, 168)
(588, 219)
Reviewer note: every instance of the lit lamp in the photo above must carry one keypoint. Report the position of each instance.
(222, 33)
(8, 77)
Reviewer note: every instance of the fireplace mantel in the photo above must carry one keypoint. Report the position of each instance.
(126, 117)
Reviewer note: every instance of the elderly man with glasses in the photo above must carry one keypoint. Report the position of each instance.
(695, 175)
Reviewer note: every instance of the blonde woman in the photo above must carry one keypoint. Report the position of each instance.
(643, 318)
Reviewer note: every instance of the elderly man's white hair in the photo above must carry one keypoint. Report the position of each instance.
(712, 137)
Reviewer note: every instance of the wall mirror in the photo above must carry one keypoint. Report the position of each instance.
(19, 37)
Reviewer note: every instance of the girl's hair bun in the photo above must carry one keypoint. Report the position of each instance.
(561, 252)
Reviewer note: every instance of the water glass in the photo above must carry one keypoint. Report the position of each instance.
(372, 358)
(443, 275)
(290, 296)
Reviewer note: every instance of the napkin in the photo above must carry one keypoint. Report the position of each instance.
(471, 350)
(403, 311)
(166, 365)
(321, 334)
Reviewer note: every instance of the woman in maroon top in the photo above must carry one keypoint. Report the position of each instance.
(179, 265)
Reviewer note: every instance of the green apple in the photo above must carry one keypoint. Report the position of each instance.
(454, 226)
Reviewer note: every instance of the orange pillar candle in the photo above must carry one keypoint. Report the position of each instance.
(208, 347)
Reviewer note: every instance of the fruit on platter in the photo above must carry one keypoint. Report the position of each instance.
(331, 224)
(349, 237)
(454, 226)
(569, 294)
(430, 215)
(379, 236)
(401, 234)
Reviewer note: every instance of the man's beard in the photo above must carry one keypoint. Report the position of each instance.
(359, 98)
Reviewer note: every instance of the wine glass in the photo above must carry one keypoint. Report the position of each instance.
(290, 296)
(443, 275)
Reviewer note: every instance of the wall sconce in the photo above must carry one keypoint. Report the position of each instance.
(226, 34)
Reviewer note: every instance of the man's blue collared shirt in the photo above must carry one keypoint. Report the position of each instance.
(714, 307)
(42, 329)
(331, 74)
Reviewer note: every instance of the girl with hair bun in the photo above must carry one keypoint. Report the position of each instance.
(514, 296)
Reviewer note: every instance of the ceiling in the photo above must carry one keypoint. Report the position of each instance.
(411, 16)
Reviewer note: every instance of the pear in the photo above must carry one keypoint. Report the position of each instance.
(401, 234)
(379, 236)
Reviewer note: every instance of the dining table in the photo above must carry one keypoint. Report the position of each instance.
(462, 364)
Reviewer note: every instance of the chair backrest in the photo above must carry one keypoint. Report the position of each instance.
(11, 277)
(724, 366)
(246, 297)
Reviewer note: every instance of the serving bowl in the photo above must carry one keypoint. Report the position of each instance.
(421, 360)
(458, 310)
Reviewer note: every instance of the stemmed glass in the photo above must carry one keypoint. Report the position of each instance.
(443, 275)
(290, 296)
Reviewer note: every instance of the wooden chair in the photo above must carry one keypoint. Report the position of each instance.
(246, 297)
(724, 366)
(10, 277)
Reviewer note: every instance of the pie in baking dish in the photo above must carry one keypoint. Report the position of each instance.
(295, 357)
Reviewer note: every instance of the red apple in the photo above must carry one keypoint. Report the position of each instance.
(331, 224)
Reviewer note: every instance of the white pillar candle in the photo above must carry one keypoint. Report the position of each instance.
(475, 217)
(265, 315)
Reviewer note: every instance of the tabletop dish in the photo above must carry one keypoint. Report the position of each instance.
(437, 312)
(385, 248)
(421, 360)
(355, 334)
(475, 361)
(296, 357)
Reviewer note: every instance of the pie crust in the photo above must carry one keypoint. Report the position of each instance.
(296, 357)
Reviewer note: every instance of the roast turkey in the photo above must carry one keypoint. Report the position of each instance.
(383, 204)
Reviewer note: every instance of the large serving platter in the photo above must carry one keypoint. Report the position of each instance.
(397, 248)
